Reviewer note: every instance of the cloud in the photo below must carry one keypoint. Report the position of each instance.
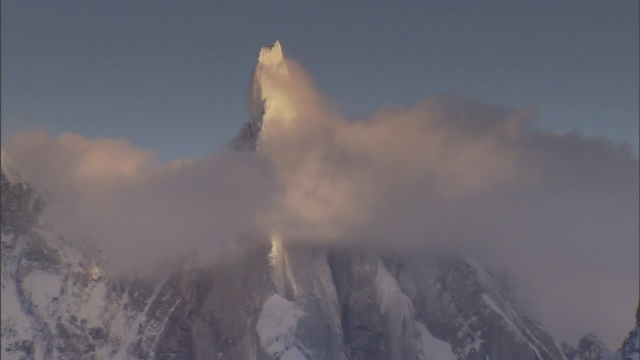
(140, 214)
(559, 210)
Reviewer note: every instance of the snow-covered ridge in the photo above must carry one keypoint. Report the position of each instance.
(271, 55)
(276, 326)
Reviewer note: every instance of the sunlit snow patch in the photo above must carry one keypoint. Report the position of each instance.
(276, 326)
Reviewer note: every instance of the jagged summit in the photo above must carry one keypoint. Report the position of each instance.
(271, 54)
(269, 97)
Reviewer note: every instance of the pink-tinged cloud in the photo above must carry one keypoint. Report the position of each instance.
(559, 210)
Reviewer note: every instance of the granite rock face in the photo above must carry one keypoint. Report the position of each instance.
(284, 301)
(333, 305)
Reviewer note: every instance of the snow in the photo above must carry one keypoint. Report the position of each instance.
(7, 165)
(124, 332)
(93, 306)
(292, 354)
(487, 300)
(42, 287)
(276, 325)
(128, 324)
(162, 326)
(431, 348)
(15, 325)
(389, 296)
(396, 306)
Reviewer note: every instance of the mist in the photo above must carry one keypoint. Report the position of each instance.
(559, 210)
(141, 214)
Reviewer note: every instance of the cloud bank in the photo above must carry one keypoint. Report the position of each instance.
(140, 213)
(559, 210)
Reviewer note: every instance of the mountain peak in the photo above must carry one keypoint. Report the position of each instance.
(271, 55)
(590, 347)
(269, 94)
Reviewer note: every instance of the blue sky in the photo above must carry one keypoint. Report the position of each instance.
(173, 76)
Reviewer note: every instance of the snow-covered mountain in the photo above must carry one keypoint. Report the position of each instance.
(279, 300)
(630, 349)
(589, 348)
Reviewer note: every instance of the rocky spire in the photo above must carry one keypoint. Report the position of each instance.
(269, 96)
